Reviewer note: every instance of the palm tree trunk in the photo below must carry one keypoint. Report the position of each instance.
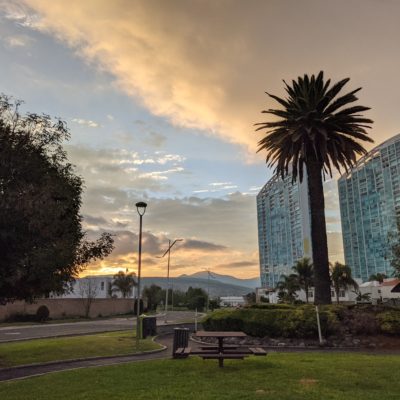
(306, 289)
(318, 233)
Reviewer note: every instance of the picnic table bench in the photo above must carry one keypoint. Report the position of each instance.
(219, 352)
(182, 352)
(258, 351)
(222, 352)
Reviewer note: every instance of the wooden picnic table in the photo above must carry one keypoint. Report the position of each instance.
(220, 336)
(221, 352)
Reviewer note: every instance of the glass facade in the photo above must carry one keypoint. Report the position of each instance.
(369, 197)
(283, 227)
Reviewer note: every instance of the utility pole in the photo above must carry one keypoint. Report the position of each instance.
(209, 275)
(168, 267)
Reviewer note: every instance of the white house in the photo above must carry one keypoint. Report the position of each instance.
(345, 296)
(96, 286)
(385, 292)
(232, 301)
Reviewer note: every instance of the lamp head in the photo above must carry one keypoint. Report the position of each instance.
(141, 207)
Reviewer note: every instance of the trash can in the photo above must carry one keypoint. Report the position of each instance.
(149, 326)
(181, 339)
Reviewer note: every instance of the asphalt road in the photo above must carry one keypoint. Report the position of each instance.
(25, 332)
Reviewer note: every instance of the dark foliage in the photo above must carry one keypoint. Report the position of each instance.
(154, 296)
(42, 244)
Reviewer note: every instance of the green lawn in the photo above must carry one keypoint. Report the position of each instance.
(42, 350)
(285, 376)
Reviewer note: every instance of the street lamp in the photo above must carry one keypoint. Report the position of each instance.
(169, 256)
(141, 209)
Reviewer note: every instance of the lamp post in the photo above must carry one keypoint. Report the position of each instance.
(169, 257)
(141, 209)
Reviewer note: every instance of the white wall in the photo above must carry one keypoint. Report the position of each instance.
(98, 284)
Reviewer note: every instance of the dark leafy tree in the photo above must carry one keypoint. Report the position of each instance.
(196, 298)
(177, 298)
(154, 296)
(316, 129)
(378, 277)
(304, 270)
(341, 278)
(214, 304)
(124, 283)
(394, 249)
(250, 298)
(287, 288)
(42, 244)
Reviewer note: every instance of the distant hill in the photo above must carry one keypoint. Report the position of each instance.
(217, 287)
(231, 280)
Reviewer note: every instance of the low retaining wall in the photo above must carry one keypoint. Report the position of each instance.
(63, 308)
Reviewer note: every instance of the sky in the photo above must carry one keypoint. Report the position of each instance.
(161, 98)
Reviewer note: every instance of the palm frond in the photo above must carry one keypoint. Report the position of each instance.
(314, 124)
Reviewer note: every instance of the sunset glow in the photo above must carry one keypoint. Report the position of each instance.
(161, 98)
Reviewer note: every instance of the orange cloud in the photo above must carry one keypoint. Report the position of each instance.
(206, 64)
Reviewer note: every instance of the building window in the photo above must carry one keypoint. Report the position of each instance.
(102, 286)
(310, 294)
(342, 293)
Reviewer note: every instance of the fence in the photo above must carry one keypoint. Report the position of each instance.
(63, 308)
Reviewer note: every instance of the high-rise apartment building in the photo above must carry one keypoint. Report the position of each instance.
(283, 227)
(369, 197)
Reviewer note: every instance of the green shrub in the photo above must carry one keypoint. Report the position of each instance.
(389, 322)
(42, 313)
(290, 322)
(268, 306)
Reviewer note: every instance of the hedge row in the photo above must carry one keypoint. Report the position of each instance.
(297, 322)
(300, 321)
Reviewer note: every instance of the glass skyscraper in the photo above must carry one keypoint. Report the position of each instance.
(283, 227)
(369, 197)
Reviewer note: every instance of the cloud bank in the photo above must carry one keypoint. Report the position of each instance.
(206, 64)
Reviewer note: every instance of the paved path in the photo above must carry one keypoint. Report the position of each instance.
(25, 332)
(40, 369)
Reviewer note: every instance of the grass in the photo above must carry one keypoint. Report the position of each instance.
(280, 376)
(52, 349)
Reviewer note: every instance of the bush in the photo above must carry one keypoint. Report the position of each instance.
(21, 317)
(269, 306)
(42, 313)
(389, 322)
(290, 322)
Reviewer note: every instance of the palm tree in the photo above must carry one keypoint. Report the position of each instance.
(315, 129)
(304, 270)
(341, 278)
(378, 277)
(124, 283)
(287, 287)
